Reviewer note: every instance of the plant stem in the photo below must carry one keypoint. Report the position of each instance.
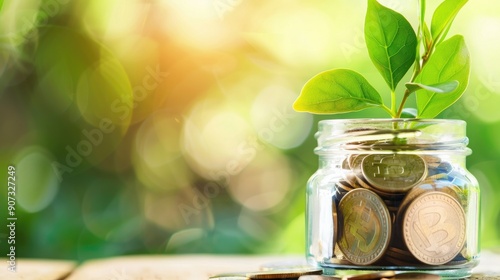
(393, 102)
(401, 106)
(419, 61)
(388, 110)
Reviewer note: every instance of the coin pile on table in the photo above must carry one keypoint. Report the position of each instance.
(399, 209)
(312, 273)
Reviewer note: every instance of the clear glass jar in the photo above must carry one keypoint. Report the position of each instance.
(393, 194)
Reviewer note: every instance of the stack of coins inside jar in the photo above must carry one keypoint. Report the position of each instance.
(399, 209)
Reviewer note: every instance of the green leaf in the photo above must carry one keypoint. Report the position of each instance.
(391, 42)
(337, 91)
(409, 113)
(1, 4)
(443, 18)
(450, 61)
(437, 88)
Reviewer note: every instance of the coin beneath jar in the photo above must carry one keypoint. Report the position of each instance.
(434, 228)
(365, 227)
(394, 173)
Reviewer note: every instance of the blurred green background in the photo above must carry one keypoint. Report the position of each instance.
(165, 126)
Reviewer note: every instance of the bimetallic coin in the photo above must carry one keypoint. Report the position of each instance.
(394, 173)
(365, 227)
(434, 228)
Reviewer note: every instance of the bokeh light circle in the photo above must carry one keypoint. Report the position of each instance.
(157, 157)
(263, 184)
(276, 122)
(37, 180)
(215, 137)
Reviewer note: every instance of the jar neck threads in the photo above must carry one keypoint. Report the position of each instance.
(390, 136)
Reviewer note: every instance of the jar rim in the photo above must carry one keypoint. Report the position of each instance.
(389, 120)
(373, 135)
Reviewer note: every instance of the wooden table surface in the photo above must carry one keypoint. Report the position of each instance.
(174, 267)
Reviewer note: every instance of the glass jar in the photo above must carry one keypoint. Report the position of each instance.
(393, 194)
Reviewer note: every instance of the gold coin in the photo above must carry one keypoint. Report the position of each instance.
(229, 276)
(436, 177)
(434, 228)
(385, 195)
(350, 160)
(394, 173)
(355, 173)
(351, 179)
(284, 273)
(441, 186)
(365, 227)
(432, 160)
(345, 164)
(345, 186)
(355, 162)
